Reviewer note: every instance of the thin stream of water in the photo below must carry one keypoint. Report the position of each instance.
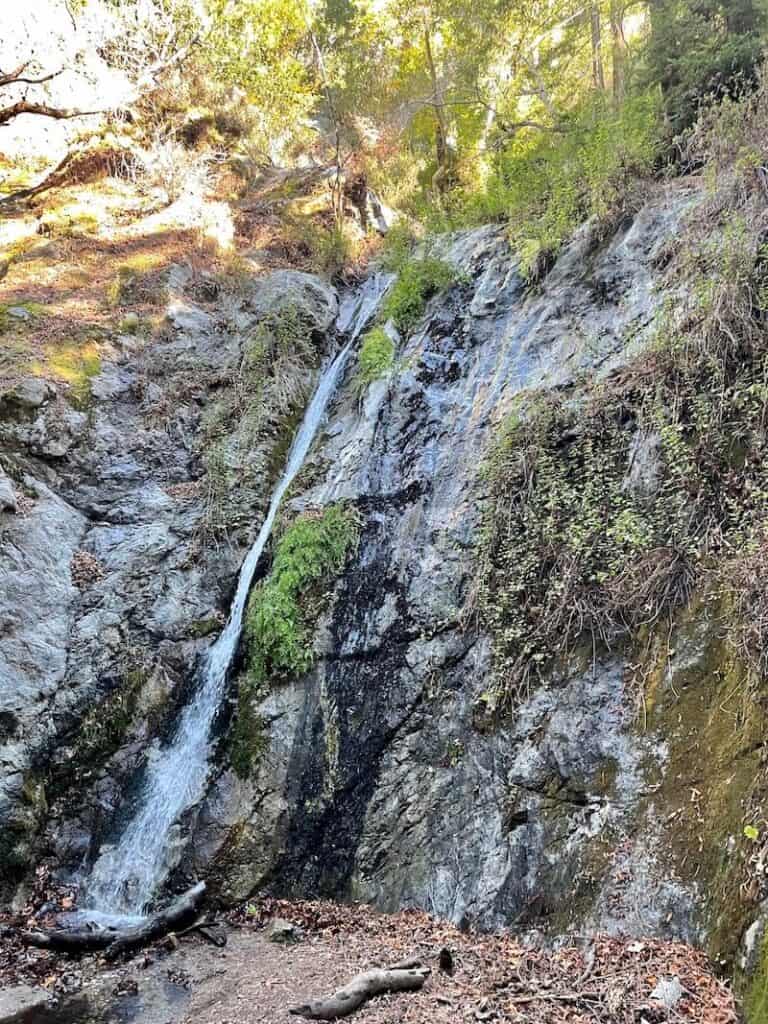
(126, 876)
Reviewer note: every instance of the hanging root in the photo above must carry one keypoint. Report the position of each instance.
(118, 940)
(401, 978)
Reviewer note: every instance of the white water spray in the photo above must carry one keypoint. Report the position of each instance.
(126, 876)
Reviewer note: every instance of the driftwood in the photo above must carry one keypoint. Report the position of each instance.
(362, 988)
(118, 940)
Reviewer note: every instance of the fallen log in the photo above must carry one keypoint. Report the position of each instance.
(117, 940)
(360, 989)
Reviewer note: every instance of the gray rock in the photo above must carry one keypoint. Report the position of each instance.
(8, 500)
(645, 464)
(668, 992)
(22, 1004)
(282, 931)
(376, 754)
(19, 312)
(312, 297)
(30, 393)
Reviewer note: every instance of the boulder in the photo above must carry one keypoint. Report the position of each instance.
(22, 1004)
(30, 393)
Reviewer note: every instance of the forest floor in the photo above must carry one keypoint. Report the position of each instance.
(85, 266)
(254, 980)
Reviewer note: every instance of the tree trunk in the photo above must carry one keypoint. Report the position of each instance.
(597, 43)
(362, 988)
(618, 50)
(118, 940)
(440, 178)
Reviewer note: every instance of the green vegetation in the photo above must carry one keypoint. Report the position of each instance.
(756, 1002)
(308, 555)
(280, 615)
(418, 280)
(76, 363)
(259, 410)
(275, 378)
(104, 728)
(375, 358)
(578, 550)
(248, 734)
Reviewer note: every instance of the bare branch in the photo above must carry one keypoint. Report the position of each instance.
(17, 76)
(12, 76)
(25, 107)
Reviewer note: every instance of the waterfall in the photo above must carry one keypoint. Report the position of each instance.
(126, 876)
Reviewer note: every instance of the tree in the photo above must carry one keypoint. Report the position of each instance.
(707, 47)
(26, 76)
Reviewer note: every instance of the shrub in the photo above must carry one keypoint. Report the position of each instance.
(308, 555)
(572, 551)
(397, 247)
(375, 359)
(166, 164)
(708, 48)
(326, 249)
(419, 279)
(274, 379)
(551, 183)
(545, 184)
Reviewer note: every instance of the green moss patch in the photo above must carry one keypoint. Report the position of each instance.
(281, 613)
(375, 358)
(75, 363)
(418, 281)
(308, 555)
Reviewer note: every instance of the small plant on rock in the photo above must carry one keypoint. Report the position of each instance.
(418, 281)
(308, 555)
(375, 359)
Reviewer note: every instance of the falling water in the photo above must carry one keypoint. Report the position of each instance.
(126, 876)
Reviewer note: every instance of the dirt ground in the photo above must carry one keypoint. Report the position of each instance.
(254, 980)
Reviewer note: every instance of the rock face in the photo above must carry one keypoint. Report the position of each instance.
(113, 502)
(381, 777)
(382, 782)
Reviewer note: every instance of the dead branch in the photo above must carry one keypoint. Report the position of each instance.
(118, 940)
(360, 989)
(16, 77)
(72, 167)
(43, 110)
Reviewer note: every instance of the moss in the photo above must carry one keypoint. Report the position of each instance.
(756, 999)
(697, 704)
(204, 627)
(9, 322)
(69, 221)
(75, 363)
(375, 358)
(140, 279)
(103, 729)
(249, 740)
(130, 324)
(419, 279)
(308, 555)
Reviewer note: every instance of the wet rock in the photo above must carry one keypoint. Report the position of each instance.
(379, 757)
(8, 500)
(22, 1004)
